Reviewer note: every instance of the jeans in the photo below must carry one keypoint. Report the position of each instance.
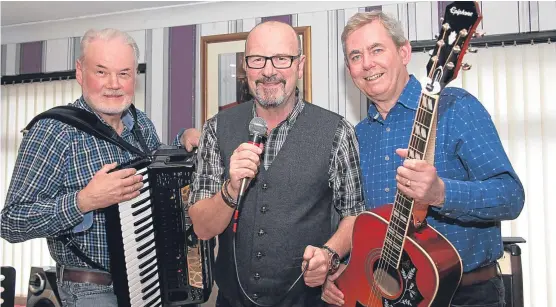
(490, 293)
(86, 295)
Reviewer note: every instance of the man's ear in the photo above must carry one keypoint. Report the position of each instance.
(79, 72)
(405, 52)
(301, 66)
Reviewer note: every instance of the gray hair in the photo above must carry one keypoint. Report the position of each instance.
(392, 25)
(108, 34)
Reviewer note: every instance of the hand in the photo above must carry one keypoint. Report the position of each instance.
(190, 138)
(330, 292)
(244, 163)
(317, 261)
(106, 189)
(418, 179)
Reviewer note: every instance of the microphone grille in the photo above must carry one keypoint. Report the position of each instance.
(257, 126)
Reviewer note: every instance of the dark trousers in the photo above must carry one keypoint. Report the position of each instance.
(490, 293)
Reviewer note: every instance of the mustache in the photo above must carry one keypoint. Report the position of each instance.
(272, 79)
(113, 93)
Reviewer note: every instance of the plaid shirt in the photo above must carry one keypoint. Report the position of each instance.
(344, 172)
(54, 163)
(482, 188)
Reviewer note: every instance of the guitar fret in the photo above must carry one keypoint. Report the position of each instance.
(418, 143)
(415, 153)
(388, 254)
(420, 138)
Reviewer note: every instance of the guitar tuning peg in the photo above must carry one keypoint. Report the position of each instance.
(436, 36)
(472, 50)
(478, 34)
(431, 52)
(441, 19)
(450, 65)
(466, 66)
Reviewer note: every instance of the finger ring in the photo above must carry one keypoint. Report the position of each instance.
(408, 183)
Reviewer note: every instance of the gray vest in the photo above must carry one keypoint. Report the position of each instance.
(286, 208)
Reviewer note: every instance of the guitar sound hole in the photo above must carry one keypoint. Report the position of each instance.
(387, 278)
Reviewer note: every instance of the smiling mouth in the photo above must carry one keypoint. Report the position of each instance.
(373, 77)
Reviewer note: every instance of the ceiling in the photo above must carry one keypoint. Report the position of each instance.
(18, 12)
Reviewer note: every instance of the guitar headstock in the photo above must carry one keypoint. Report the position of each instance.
(461, 18)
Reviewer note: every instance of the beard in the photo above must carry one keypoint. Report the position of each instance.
(270, 97)
(99, 104)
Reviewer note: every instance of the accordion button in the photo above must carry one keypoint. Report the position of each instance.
(255, 296)
(261, 232)
(265, 186)
(259, 255)
(257, 276)
(264, 209)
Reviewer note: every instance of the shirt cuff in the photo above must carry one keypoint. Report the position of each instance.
(177, 139)
(68, 212)
(458, 196)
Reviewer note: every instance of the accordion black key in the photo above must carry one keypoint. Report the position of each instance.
(155, 257)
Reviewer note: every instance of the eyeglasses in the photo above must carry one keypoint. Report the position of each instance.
(278, 61)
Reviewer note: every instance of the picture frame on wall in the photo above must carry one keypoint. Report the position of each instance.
(223, 79)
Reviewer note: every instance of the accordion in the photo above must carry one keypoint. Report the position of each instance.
(155, 257)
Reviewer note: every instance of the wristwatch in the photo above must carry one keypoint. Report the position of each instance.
(334, 260)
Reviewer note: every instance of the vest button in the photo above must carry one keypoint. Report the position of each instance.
(265, 186)
(261, 232)
(257, 276)
(264, 209)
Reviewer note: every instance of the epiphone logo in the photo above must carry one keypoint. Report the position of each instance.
(456, 11)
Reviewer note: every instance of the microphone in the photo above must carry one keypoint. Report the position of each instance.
(257, 136)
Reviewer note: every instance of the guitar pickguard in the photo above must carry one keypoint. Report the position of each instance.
(410, 295)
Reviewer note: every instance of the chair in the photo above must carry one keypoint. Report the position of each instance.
(512, 274)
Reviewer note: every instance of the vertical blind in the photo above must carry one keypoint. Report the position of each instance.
(515, 84)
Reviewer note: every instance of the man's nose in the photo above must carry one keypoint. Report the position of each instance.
(114, 82)
(368, 62)
(268, 69)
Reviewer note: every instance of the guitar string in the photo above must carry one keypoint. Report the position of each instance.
(415, 144)
(414, 139)
(387, 253)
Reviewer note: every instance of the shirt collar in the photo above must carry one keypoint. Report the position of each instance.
(409, 98)
(290, 120)
(127, 118)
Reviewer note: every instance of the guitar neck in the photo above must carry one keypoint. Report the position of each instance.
(423, 126)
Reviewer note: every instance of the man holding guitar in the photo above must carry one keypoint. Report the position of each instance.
(471, 188)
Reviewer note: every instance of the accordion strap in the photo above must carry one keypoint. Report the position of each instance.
(89, 123)
(73, 247)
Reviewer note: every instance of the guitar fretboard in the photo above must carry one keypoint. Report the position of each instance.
(403, 205)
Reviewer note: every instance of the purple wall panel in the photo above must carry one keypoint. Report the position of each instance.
(441, 9)
(283, 18)
(372, 8)
(181, 66)
(30, 60)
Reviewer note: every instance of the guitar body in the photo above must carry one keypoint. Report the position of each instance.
(429, 272)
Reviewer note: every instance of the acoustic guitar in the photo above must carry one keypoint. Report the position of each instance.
(397, 259)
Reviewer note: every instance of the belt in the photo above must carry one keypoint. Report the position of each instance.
(84, 275)
(479, 275)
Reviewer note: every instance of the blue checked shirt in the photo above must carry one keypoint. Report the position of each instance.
(482, 188)
(54, 163)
